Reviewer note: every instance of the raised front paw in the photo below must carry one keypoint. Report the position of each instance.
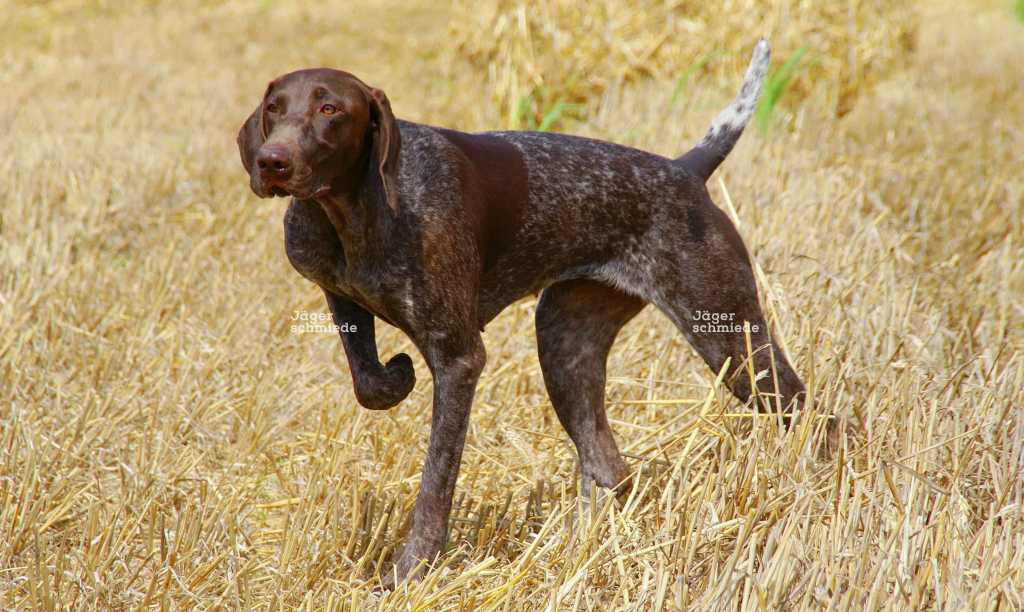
(385, 387)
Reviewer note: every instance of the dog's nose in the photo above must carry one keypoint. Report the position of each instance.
(274, 162)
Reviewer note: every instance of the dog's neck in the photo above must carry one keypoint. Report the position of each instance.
(359, 212)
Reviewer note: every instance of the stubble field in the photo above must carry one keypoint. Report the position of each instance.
(166, 439)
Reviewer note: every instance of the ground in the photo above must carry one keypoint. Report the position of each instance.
(168, 438)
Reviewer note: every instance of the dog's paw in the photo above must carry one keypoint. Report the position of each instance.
(832, 440)
(384, 387)
(413, 561)
(400, 375)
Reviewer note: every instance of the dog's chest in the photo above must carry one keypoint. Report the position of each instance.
(384, 295)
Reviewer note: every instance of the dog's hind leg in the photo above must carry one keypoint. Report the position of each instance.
(712, 299)
(577, 321)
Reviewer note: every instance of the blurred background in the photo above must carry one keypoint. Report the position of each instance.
(165, 439)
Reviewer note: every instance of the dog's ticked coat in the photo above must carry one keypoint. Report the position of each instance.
(436, 231)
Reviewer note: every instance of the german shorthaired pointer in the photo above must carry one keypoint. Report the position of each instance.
(436, 231)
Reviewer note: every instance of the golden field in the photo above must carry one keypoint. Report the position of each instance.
(167, 441)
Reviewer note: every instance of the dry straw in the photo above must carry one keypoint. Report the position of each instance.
(539, 54)
(166, 441)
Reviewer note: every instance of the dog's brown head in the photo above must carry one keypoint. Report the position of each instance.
(320, 131)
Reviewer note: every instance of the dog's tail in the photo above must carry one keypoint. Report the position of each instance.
(728, 125)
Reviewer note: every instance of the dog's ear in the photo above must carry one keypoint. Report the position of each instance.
(387, 144)
(253, 134)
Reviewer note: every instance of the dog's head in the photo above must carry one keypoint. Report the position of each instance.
(319, 131)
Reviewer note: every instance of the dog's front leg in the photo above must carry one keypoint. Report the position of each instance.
(456, 366)
(377, 386)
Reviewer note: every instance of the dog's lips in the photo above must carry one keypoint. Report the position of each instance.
(262, 190)
(310, 194)
(284, 190)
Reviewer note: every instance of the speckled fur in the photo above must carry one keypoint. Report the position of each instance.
(436, 232)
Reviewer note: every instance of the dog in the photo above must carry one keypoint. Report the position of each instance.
(436, 231)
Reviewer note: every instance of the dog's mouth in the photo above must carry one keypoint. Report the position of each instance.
(302, 192)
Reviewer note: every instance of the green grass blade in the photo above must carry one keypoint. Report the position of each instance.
(776, 86)
(556, 112)
(684, 81)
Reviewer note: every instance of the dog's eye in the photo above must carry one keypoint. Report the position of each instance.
(272, 108)
(328, 109)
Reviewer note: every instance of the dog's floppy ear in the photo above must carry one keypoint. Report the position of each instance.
(253, 134)
(387, 144)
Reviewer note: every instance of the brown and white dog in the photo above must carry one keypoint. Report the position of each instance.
(436, 231)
